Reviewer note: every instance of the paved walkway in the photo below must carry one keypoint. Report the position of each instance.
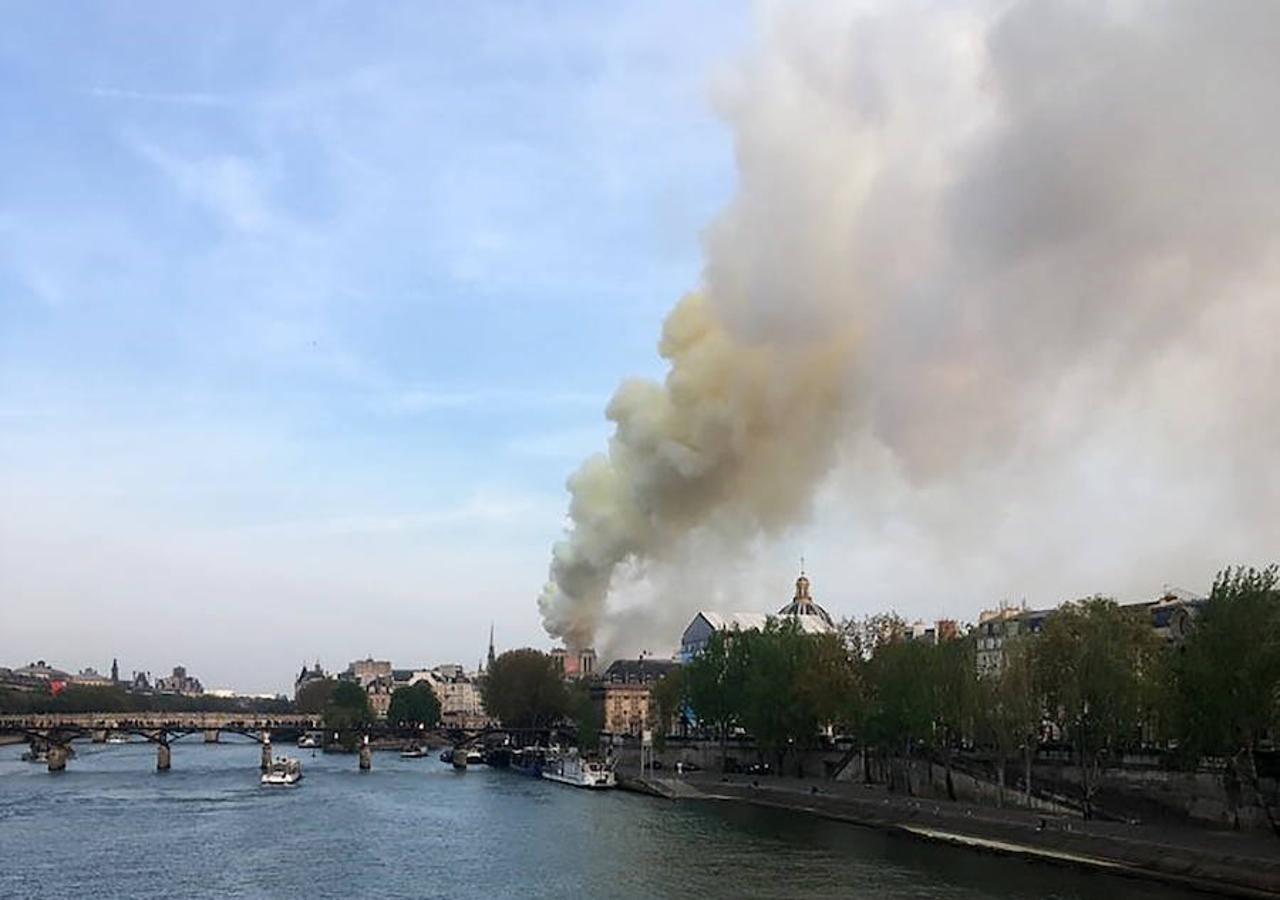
(1243, 864)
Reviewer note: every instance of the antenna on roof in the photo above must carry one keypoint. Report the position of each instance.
(802, 564)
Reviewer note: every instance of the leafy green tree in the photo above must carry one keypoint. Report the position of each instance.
(713, 688)
(1092, 659)
(773, 710)
(830, 684)
(902, 704)
(1011, 708)
(954, 697)
(315, 696)
(1228, 673)
(347, 712)
(587, 717)
(526, 689)
(667, 702)
(415, 706)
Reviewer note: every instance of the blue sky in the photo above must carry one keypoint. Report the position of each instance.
(306, 312)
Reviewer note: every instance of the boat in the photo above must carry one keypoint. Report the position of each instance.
(36, 756)
(117, 737)
(579, 771)
(308, 742)
(413, 751)
(527, 761)
(283, 770)
(474, 757)
(446, 755)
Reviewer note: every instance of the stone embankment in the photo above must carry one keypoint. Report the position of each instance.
(1230, 863)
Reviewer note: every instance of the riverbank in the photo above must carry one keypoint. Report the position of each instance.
(1228, 863)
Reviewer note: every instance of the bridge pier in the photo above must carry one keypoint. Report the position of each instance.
(57, 757)
(211, 735)
(163, 754)
(100, 735)
(266, 751)
(366, 755)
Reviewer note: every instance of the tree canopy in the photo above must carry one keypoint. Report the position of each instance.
(525, 689)
(414, 706)
(315, 696)
(347, 710)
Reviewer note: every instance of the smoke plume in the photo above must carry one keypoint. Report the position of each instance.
(952, 225)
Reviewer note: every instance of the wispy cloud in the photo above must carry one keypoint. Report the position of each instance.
(180, 98)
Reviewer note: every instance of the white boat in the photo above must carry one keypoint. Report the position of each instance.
(413, 752)
(117, 738)
(308, 742)
(570, 768)
(474, 757)
(283, 770)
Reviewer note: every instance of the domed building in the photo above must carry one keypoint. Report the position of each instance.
(811, 618)
(803, 607)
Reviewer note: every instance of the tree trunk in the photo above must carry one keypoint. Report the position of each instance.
(1026, 752)
(951, 785)
(906, 769)
(1086, 809)
(1000, 779)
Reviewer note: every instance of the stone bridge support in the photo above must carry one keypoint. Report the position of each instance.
(163, 755)
(57, 757)
(366, 755)
(211, 735)
(100, 735)
(266, 751)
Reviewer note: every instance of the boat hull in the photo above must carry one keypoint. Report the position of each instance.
(600, 783)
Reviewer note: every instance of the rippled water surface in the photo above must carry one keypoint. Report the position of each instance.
(111, 826)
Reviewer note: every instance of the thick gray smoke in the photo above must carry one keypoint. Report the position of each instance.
(947, 219)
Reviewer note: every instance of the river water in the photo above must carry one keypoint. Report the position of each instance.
(112, 827)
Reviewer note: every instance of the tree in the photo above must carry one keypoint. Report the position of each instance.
(1228, 673)
(667, 703)
(315, 696)
(1011, 708)
(1092, 659)
(954, 696)
(714, 685)
(901, 708)
(347, 711)
(414, 706)
(586, 716)
(525, 689)
(774, 661)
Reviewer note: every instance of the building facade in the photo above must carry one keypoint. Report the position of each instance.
(179, 683)
(623, 695)
(365, 671)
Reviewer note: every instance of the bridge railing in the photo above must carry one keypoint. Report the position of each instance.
(191, 720)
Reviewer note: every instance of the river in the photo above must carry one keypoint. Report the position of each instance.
(112, 827)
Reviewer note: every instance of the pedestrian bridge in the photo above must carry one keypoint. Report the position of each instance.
(153, 721)
(51, 734)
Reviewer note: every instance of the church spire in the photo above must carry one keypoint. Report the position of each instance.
(492, 656)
